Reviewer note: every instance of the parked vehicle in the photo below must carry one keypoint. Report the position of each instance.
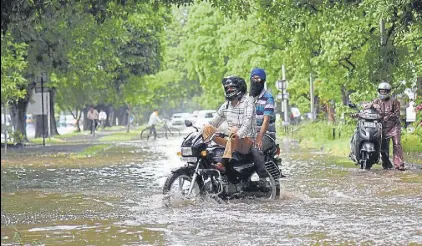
(204, 117)
(178, 119)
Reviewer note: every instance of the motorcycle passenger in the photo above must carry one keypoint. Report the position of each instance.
(389, 108)
(265, 119)
(239, 112)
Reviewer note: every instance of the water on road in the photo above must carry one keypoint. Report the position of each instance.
(324, 201)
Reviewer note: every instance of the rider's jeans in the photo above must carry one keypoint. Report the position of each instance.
(152, 130)
(259, 157)
(242, 145)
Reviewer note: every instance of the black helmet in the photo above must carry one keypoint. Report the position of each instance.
(234, 87)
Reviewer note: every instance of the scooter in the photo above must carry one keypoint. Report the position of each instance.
(365, 145)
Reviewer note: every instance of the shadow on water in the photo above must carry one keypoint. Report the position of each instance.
(119, 201)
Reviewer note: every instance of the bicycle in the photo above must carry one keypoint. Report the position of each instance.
(93, 127)
(163, 131)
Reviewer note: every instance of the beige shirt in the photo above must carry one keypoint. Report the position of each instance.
(92, 114)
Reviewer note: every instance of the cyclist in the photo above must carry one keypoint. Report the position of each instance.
(153, 120)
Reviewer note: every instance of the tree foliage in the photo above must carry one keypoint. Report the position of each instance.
(13, 65)
(173, 54)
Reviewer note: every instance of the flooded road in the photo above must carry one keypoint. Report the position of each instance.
(324, 202)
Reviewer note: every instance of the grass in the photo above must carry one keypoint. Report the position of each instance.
(121, 136)
(412, 142)
(68, 135)
(319, 135)
(57, 139)
(94, 150)
(52, 140)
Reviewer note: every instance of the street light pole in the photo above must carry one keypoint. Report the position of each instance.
(281, 86)
(42, 110)
(285, 98)
(5, 127)
(311, 88)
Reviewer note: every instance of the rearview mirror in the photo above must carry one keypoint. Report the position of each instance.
(188, 123)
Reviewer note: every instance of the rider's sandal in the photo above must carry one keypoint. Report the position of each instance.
(400, 168)
(220, 167)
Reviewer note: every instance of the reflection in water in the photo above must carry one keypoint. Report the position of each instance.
(122, 204)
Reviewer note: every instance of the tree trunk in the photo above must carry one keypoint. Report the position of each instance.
(18, 117)
(330, 113)
(39, 126)
(345, 95)
(122, 116)
(77, 116)
(78, 119)
(317, 106)
(53, 123)
(85, 124)
(128, 118)
(111, 117)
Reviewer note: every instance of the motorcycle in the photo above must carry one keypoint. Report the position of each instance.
(365, 145)
(200, 176)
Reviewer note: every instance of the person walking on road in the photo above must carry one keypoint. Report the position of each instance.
(92, 117)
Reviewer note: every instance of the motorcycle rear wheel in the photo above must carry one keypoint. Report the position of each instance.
(274, 192)
(272, 189)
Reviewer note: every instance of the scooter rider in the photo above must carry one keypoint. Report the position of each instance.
(389, 108)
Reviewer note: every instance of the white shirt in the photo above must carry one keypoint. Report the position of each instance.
(411, 112)
(102, 116)
(153, 119)
(241, 116)
(295, 112)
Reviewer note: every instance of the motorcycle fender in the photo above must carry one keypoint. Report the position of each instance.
(368, 147)
(278, 161)
(188, 169)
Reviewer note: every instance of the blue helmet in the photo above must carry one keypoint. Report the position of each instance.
(259, 72)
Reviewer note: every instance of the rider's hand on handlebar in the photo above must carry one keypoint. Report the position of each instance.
(233, 132)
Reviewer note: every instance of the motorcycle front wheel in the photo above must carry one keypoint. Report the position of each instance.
(177, 185)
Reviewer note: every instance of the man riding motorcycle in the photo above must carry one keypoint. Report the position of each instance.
(239, 112)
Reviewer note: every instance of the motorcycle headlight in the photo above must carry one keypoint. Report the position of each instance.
(186, 151)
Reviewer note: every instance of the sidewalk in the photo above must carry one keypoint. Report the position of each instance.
(72, 144)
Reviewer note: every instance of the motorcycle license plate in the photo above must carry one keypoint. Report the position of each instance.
(189, 159)
(370, 124)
